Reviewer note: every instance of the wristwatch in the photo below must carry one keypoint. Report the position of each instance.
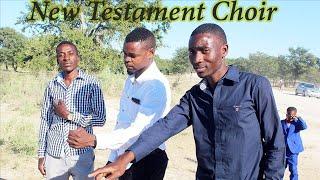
(70, 116)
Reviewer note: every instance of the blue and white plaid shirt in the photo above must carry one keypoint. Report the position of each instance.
(84, 98)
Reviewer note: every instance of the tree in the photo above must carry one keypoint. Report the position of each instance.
(11, 43)
(263, 64)
(102, 32)
(41, 49)
(95, 39)
(165, 65)
(301, 61)
(180, 61)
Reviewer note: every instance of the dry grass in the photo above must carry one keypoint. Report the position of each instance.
(21, 98)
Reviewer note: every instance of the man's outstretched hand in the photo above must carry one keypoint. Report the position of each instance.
(115, 169)
(80, 138)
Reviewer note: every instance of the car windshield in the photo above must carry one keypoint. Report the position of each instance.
(308, 85)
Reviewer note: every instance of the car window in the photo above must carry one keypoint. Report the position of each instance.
(309, 85)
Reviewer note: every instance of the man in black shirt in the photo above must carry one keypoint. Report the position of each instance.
(235, 121)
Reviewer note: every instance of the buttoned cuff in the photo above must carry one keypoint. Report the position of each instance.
(138, 151)
(41, 153)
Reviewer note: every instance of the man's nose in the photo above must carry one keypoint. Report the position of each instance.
(198, 57)
(66, 57)
(127, 58)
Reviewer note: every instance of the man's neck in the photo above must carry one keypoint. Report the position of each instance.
(69, 76)
(138, 73)
(213, 80)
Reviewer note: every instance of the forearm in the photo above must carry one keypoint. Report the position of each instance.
(126, 157)
(84, 120)
(300, 124)
(123, 137)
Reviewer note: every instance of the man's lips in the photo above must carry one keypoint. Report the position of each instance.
(66, 65)
(200, 69)
(129, 66)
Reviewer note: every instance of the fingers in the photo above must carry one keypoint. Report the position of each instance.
(72, 143)
(99, 176)
(113, 176)
(42, 169)
(109, 172)
(98, 172)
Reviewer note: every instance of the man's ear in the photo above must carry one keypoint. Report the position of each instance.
(224, 50)
(151, 52)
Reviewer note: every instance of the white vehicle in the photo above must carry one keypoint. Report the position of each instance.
(315, 92)
(304, 88)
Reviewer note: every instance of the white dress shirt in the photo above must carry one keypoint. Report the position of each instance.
(144, 100)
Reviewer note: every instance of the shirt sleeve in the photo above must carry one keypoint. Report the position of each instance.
(271, 130)
(176, 120)
(46, 120)
(98, 113)
(151, 108)
(300, 124)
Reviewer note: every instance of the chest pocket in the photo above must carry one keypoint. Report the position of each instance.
(129, 109)
(235, 114)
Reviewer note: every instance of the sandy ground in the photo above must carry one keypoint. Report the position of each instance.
(181, 149)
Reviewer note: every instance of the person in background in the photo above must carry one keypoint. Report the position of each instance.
(292, 126)
(72, 99)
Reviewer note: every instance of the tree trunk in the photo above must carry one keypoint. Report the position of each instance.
(6, 63)
(15, 66)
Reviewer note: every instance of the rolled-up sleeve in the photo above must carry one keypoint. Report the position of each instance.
(175, 121)
(97, 117)
(271, 131)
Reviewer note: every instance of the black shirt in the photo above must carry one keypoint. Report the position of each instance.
(236, 128)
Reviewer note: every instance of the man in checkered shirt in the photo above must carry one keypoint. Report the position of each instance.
(72, 99)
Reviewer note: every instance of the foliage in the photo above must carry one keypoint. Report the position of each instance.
(301, 61)
(11, 43)
(180, 61)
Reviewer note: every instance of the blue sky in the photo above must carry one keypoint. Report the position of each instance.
(295, 24)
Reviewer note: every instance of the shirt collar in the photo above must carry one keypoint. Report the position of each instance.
(232, 74)
(145, 75)
(81, 75)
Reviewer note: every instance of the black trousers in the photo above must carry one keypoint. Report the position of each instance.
(151, 167)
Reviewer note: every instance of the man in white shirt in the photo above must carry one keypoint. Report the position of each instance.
(145, 98)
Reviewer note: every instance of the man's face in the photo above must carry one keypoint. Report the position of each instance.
(67, 57)
(206, 52)
(137, 56)
(291, 115)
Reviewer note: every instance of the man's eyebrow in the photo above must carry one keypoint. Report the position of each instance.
(66, 51)
(199, 47)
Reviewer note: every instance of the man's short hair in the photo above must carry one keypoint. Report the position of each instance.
(69, 43)
(212, 29)
(141, 34)
(290, 109)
